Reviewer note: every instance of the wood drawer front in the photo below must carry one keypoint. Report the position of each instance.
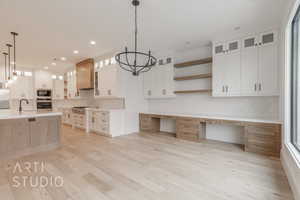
(185, 129)
(262, 149)
(187, 121)
(271, 130)
(187, 136)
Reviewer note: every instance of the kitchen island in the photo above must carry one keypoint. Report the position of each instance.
(28, 132)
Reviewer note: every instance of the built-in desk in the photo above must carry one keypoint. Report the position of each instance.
(261, 136)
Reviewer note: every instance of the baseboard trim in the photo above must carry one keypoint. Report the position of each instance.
(289, 167)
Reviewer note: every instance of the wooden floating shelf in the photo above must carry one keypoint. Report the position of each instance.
(195, 62)
(192, 91)
(193, 77)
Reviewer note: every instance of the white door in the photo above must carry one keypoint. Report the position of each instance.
(219, 70)
(233, 69)
(268, 65)
(249, 68)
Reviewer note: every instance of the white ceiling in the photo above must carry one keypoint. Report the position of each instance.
(54, 28)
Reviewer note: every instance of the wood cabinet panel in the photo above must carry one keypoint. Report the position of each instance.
(85, 74)
(263, 139)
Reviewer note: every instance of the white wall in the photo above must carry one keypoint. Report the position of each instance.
(254, 107)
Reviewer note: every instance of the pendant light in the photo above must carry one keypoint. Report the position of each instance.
(9, 69)
(123, 58)
(5, 67)
(15, 76)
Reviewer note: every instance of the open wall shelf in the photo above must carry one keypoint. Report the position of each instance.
(193, 77)
(192, 91)
(195, 62)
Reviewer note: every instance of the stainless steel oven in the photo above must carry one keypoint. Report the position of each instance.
(44, 93)
(44, 105)
(44, 100)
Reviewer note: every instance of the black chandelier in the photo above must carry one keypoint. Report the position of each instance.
(148, 58)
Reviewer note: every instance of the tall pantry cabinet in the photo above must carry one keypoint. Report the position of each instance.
(247, 66)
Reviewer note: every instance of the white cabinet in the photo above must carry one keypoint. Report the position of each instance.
(73, 92)
(246, 67)
(58, 89)
(43, 80)
(108, 81)
(159, 82)
(259, 75)
(22, 88)
(226, 69)
(106, 122)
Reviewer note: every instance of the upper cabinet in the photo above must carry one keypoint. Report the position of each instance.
(58, 87)
(85, 74)
(259, 65)
(247, 66)
(159, 82)
(108, 79)
(72, 90)
(43, 80)
(227, 68)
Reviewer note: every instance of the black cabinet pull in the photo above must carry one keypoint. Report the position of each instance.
(31, 119)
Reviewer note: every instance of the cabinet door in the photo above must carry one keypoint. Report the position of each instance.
(219, 75)
(38, 132)
(53, 133)
(111, 84)
(58, 89)
(148, 80)
(233, 68)
(21, 134)
(6, 130)
(167, 72)
(249, 70)
(268, 68)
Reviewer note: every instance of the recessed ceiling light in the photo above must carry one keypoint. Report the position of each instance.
(63, 58)
(46, 67)
(75, 51)
(92, 42)
(54, 64)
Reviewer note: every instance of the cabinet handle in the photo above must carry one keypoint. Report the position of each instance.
(164, 91)
(259, 87)
(31, 119)
(223, 89)
(255, 87)
(227, 88)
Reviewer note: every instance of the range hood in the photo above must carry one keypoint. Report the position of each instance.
(85, 74)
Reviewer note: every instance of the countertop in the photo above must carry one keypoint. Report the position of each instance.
(12, 114)
(219, 117)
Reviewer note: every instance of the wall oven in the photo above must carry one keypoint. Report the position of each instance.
(44, 93)
(44, 100)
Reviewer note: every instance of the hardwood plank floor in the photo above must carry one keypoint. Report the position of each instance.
(146, 166)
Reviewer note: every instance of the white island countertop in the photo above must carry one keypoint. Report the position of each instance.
(12, 114)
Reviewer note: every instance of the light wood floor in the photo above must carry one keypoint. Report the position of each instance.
(151, 167)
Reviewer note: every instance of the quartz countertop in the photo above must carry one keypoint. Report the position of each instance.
(219, 117)
(12, 114)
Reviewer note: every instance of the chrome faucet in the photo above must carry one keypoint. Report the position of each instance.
(20, 104)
